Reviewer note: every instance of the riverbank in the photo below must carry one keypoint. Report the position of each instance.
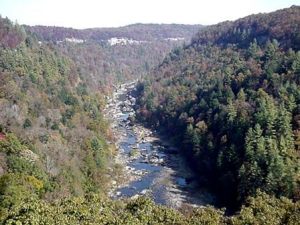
(148, 166)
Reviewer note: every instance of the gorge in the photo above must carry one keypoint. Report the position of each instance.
(152, 165)
(151, 123)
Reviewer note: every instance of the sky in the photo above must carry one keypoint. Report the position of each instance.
(113, 13)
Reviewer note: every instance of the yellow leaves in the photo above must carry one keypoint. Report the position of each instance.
(201, 127)
(20, 71)
(36, 183)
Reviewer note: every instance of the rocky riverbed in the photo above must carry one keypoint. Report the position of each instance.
(151, 166)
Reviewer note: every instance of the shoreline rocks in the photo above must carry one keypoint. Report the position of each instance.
(150, 164)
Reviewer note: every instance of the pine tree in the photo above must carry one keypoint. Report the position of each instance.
(284, 130)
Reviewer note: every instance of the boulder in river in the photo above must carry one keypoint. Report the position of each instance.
(145, 191)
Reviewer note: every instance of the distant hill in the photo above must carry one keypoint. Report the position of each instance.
(282, 25)
(106, 56)
(139, 32)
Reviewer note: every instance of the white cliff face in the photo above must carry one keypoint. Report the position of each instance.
(120, 41)
(74, 40)
(174, 39)
(123, 41)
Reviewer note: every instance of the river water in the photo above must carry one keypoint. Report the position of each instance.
(151, 166)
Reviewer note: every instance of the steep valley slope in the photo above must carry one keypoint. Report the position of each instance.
(228, 95)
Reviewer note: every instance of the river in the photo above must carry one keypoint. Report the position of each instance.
(151, 166)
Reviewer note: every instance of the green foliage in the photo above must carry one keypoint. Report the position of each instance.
(231, 99)
(11, 144)
(207, 215)
(17, 164)
(243, 31)
(67, 116)
(43, 102)
(55, 126)
(25, 175)
(16, 187)
(94, 209)
(264, 209)
(67, 97)
(27, 123)
(96, 159)
(44, 138)
(82, 89)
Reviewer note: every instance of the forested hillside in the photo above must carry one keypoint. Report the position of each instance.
(231, 99)
(51, 101)
(53, 139)
(111, 55)
(54, 142)
(52, 94)
(139, 32)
